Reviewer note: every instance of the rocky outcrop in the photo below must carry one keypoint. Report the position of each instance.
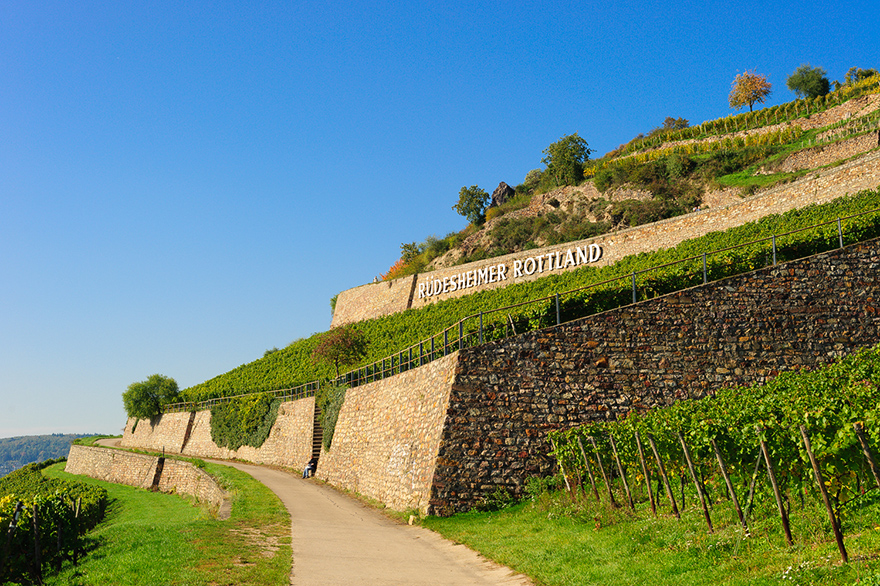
(501, 194)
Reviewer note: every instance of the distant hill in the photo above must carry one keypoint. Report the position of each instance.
(15, 452)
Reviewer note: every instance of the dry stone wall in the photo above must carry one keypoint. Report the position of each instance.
(289, 443)
(163, 433)
(507, 395)
(387, 436)
(140, 470)
(382, 298)
(369, 301)
(441, 437)
(825, 155)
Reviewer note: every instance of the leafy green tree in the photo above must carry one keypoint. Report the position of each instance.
(808, 82)
(565, 159)
(341, 346)
(671, 123)
(410, 250)
(749, 88)
(145, 399)
(856, 74)
(472, 202)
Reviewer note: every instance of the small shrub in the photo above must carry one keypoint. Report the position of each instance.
(493, 213)
(499, 499)
(538, 485)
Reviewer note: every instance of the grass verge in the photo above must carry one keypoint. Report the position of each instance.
(160, 539)
(560, 541)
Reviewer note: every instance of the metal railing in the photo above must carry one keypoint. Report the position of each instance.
(292, 394)
(500, 323)
(476, 328)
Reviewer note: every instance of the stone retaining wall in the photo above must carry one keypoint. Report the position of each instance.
(289, 443)
(387, 436)
(507, 395)
(441, 437)
(139, 470)
(385, 298)
(825, 155)
(162, 433)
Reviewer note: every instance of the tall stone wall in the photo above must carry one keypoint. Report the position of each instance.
(387, 436)
(367, 301)
(507, 395)
(289, 443)
(385, 298)
(443, 436)
(139, 470)
(163, 433)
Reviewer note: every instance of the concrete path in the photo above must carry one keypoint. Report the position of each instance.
(337, 540)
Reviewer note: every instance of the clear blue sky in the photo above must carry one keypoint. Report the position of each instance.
(184, 185)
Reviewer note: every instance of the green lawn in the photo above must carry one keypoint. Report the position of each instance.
(559, 542)
(158, 539)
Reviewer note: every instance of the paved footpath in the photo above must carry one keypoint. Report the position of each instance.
(337, 540)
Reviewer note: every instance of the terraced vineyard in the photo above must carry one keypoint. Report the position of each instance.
(532, 305)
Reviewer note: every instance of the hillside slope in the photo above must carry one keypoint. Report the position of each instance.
(802, 145)
(391, 334)
(15, 452)
(666, 174)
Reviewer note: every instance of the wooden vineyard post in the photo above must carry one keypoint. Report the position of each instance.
(730, 490)
(699, 487)
(561, 467)
(663, 475)
(835, 525)
(753, 482)
(602, 470)
(622, 475)
(866, 449)
(76, 531)
(589, 469)
(38, 561)
(779, 504)
(16, 515)
(645, 473)
(58, 533)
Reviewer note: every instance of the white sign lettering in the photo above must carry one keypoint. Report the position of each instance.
(519, 268)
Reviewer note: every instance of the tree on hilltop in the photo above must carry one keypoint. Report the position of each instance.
(671, 123)
(565, 159)
(472, 202)
(749, 88)
(857, 74)
(808, 82)
(145, 399)
(341, 346)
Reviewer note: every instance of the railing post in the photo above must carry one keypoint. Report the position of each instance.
(558, 321)
(432, 349)
(460, 333)
(705, 274)
(421, 351)
(409, 362)
(445, 341)
(481, 328)
(634, 286)
(774, 250)
(839, 233)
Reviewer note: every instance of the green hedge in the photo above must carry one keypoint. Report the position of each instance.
(244, 421)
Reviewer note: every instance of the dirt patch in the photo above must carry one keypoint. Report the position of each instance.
(265, 545)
